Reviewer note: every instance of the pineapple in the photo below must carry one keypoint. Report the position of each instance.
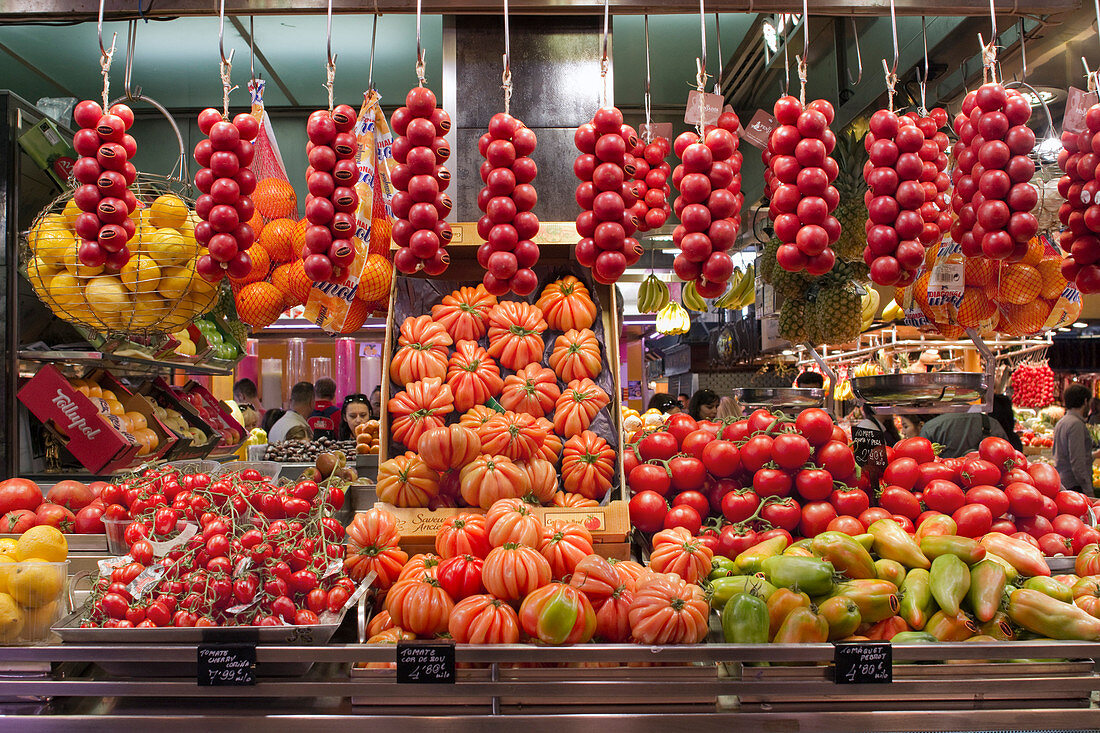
(838, 313)
(852, 212)
(793, 321)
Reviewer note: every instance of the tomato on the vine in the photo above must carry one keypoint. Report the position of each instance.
(683, 516)
(816, 517)
(852, 502)
(783, 514)
(647, 511)
(737, 506)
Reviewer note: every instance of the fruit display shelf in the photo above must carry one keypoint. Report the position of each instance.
(129, 364)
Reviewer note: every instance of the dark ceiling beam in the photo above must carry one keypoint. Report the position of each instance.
(263, 60)
(70, 10)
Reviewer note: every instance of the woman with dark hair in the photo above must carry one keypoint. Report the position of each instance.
(664, 402)
(271, 417)
(704, 404)
(355, 411)
(911, 424)
(1002, 413)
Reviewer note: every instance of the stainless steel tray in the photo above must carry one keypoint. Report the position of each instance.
(932, 388)
(797, 397)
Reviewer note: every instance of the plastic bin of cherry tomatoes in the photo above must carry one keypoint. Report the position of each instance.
(236, 550)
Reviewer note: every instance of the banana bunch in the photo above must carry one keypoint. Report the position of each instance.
(892, 312)
(691, 299)
(843, 391)
(867, 370)
(652, 295)
(742, 290)
(870, 303)
(672, 319)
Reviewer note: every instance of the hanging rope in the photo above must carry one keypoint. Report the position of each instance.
(604, 64)
(803, 71)
(105, 57)
(419, 49)
(648, 135)
(701, 62)
(330, 62)
(506, 75)
(225, 65)
(892, 71)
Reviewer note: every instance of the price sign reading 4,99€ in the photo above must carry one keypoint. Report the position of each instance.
(420, 662)
(864, 662)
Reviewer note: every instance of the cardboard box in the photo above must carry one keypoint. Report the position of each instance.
(159, 392)
(90, 436)
(52, 151)
(134, 402)
(222, 417)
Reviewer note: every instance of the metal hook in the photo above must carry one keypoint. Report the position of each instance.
(701, 63)
(1096, 4)
(648, 106)
(328, 36)
(221, 34)
(859, 57)
(131, 42)
(1023, 51)
(721, 62)
(894, 31)
(370, 68)
(922, 81)
(251, 47)
(99, 26)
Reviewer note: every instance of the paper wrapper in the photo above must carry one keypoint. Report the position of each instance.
(335, 306)
(267, 162)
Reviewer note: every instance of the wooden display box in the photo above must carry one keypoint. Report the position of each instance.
(609, 525)
(556, 241)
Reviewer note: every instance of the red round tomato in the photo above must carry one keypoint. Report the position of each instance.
(901, 472)
(721, 458)
(973, 520)
(735, 431)
(791, 451)
(771, 482)
(1045, 477)
(1048, 509)
(693, 499)
(815, 425)
(1014, 475)
(932, 471)
(869, 516)
(814, 484)
(774, 532)
(1035, 526)
(630, 458)
(904, 522)
(649, 477)
(89, 520)
(17, 521)
(55, 516)
(979, 472)
(919, 449)
(999, 452)
(837, 458)
(1070, 502)
(1024, 500)
(732, 540)
(688, 473)
(661, 445)
(73, 495)
(761, 420)
(1004, 526)
(19, 493)
(816, 517)
(1053, 544)
(783, 514)
(695, 442)
(756, 451)
(847, 525)
(680, 425)
(1085, 536)
(717, 489)
(852, 502)
(647, 511)
(683, 516)
(991, 497)
(897, 500)
(943, 496)
(737, 506)
(1066, 524)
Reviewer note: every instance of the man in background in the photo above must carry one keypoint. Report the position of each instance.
(961, 432)
(1073, 454)
(293, 425)
(323, 420)
(684, 401)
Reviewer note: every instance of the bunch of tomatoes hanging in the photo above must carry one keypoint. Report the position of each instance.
(332, 201)
(105, 173)
(225, 183)
(709, 205)
(509, 225)
(651, 173)
(420, 204)
(906, 192)
(607, 195)
(1080, 214)
(798, 182)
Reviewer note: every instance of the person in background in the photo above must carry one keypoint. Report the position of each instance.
(868, 419)
(704, 404)
(244, 390)
(355, 411)
(270, 418)
(912, 424)
(323, 418)
(1073, 454)
(1094, 411)
(664, 402)
(293, 425)
(961, 432)
(729, 409)
(376, 403)
(249, 417)
(809, 380)
(684, 400)
(1002, 413)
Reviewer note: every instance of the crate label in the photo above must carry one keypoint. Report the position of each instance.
(421, 662)
(226, 665)
(863, 662)
(703, 108)
(592, 520)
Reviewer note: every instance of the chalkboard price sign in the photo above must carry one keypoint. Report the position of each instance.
(227, 665)
(421, 662)
(864, 662)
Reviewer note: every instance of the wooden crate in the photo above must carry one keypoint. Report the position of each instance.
(556, 241)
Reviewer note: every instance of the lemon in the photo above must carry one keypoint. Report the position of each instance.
(168, 211)
(8, 544)
(140, 275)
(52, 245)
(169, 247)
(175, 282)
(36, 582)
(43, 542)
(107, 296)
(11, 619)
(38, 272)
(6, 571)
(70, 213)
(37, 621)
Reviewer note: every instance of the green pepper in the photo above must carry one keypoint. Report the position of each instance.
(894, 543)
(846, 555)
(987, 587)
(891, 570)
(1051, 587)
(913, 637)
(842, 615)
(967, 550)
(721, 567)
(745, 620)
(752, 560)
(877, 599)
(722, 589)
(950, 582)
(809, 575)
(916, 605)
(867, 540)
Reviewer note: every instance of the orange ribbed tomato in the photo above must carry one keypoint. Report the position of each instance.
(577, 407)
(576, 355)
(476, 416)
(677, 551)
(451, 446)
(472, 375)
(379, 623)
(419, 605)
(465, 312)
(532, 390)
(421, 351)
(542, 479)
(596, 578)
(422, 564)
(669, 610)
(491, 478)
(514, 435)
(613, 616)
(566, 499)
(464, 534)
(557, 614)
(564, 544)
(566, 304)
(514, 571)
(511, 520)
(552, 446)
(515, 334)
(407, 481)
(372, 547)
(587, 465)
(421, 406)
(483, 619)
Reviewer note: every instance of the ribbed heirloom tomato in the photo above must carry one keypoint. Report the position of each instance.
(511, 520)
(669, 610)
(482, 619)
(557, 614)
(565, 545)
(464, 534)
(677, 551)
(514, 571)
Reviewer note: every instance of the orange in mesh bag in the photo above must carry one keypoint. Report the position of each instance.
(1031, 295)
(342, 306)
(938, 292)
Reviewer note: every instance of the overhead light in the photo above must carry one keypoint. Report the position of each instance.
(787, 352)
(1080, 324)
(771, 36)
(660, 238)
(1063, 329)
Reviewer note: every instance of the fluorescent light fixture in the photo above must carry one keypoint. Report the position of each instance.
(1080, 324)
(1063, 329)
(787, 352)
